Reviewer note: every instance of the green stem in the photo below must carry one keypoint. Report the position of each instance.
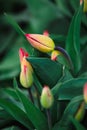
(30, 95)
(38, 97)
(49, 118)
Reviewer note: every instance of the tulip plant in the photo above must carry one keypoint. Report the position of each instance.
(50, 91)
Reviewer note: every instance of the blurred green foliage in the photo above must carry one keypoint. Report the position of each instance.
(35, 16)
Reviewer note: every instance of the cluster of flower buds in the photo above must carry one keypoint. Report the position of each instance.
(45, 44)
(26, 75)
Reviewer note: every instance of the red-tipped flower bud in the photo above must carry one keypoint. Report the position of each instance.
(26, 75)
(81, 2)
(41, 42)
(54, 55)
(46, 97)
(46, 33)
(85, 92)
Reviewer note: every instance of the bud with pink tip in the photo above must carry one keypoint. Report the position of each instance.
(41, 42)
(85, 92)
(46, 97)
(26, 75)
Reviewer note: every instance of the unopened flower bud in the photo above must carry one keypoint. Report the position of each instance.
(41, 42)
(80, 113)
(85, 6)
(85, 92)
(54, 55)
(46, 97)
(22, 54)
(81, 1)
(46, 33)
(26, 75)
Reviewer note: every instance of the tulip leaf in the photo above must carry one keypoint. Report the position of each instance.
(48, 71)
(69, 89)
(37, 83)
(70, 110)
(16, 112)
(73, 40)
(11, 20)
(10, 92)
(62, 60)
(3, 120)
(77, 124)
(34, 114)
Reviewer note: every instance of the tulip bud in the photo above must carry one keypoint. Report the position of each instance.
(41, 42)
(46, 33)
(26, 75)
(80, 113)
(54, 55)
(22, 54)
(46, 98)
(85, 92)
(81, 1)
(26, 78)
(85, 6)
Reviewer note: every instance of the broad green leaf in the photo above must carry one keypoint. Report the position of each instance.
(34, 114)
(12, 128)
(10, 92)
(77, 125)
(73, 40)
(5, 118)
(48, 71)
(62, 60)
(69, 89)
(16, 112)
(70, 110)
(84, 59)
(37, 83)
(66, 75)
(11, 20)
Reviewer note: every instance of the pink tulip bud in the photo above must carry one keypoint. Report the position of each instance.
(41, 42)
(46, 97)
(54, 55)
(22, 54)
(81, 2)
(85, 92)
(46, 33)
(26, 75)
